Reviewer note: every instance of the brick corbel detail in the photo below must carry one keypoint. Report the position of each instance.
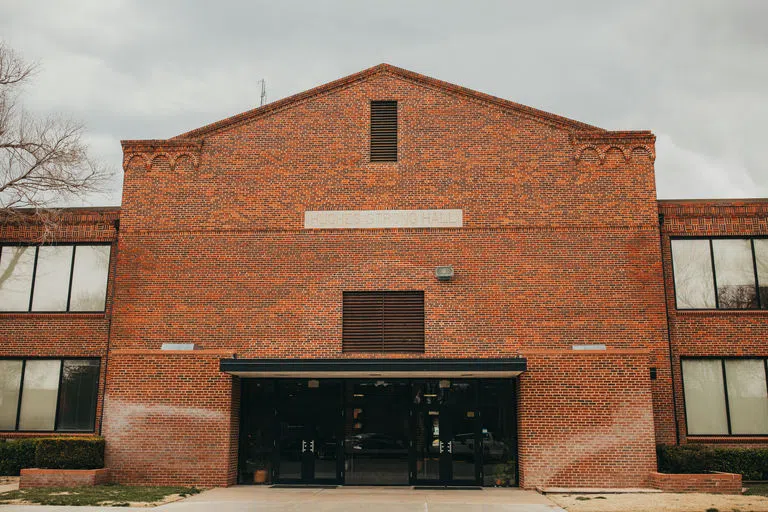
(603, 141)
(149, 150)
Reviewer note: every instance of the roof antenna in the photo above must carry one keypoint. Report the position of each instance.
(263, 92)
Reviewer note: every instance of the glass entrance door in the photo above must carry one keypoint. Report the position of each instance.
(376, 428)
(446, 434)
(462, 440)
(379, 431)
(310, 429)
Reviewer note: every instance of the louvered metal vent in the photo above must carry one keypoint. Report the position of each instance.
(383, 131)
(383, 322)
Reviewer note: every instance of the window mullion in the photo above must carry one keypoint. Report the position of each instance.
(71, 276)
(714, 273)
(765, 363)
(727, 404)
(21, 392)
(34, 274)
(754, 267)
(58, 396)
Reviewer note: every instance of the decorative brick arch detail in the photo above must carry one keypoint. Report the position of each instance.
(129, 158)
(158, 157)
(650, 150)
(150, 150)
(602, 142)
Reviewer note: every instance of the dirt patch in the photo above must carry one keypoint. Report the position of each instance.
(103, 495)
(668, 502)
(138, 504)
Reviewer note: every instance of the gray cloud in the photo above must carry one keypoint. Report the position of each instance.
(692, 71)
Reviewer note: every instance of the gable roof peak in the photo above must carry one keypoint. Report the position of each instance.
(402, 73)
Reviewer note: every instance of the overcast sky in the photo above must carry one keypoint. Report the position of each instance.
(695, 72)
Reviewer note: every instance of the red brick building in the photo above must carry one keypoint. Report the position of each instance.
(390, 279)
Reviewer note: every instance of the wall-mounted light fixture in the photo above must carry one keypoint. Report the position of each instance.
(444, 272)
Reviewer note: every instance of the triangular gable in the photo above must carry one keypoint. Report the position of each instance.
(530, 112)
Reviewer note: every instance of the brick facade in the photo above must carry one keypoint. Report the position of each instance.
(62, 335)
(712, 332)
(560, 246)
(170, 418)
(584, 416)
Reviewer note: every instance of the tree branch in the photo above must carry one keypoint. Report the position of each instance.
(42, 161)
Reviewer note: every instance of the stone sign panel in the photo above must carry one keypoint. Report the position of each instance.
(371, 219)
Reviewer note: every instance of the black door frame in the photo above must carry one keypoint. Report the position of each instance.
(322, 409)
(447, 435)
(309, 441)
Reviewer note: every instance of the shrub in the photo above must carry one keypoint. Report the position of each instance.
(51, 453)
(751, 463)
(70, 453)
(16, 454)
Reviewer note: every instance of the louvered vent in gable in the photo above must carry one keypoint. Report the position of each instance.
(383, 131)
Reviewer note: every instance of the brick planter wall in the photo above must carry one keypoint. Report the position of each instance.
(719, 483)
(31, 478)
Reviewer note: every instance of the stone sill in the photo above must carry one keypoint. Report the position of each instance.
(726, 439)
(720, 312)
(15, 434)
(59, 315)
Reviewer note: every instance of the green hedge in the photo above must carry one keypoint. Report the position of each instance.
(16, 454)
(51, 453)
(751, 463)
(70, 453)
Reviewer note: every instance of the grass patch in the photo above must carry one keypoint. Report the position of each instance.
(114, 495)
(757, 490)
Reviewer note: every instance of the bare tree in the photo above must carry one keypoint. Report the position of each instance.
(43, 161)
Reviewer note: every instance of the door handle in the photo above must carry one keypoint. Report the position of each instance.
(312, 446)
(450, 447)
(303, 446)
(442, 447)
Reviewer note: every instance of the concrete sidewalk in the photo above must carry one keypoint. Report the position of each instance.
(366, 499)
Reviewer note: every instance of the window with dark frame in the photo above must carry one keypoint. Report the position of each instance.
(383, 131)
(383, 321)
(54, 278)
(49, 395)
(720, 273)
(725, 396)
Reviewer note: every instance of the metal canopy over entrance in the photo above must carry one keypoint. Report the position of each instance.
(372, 368)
